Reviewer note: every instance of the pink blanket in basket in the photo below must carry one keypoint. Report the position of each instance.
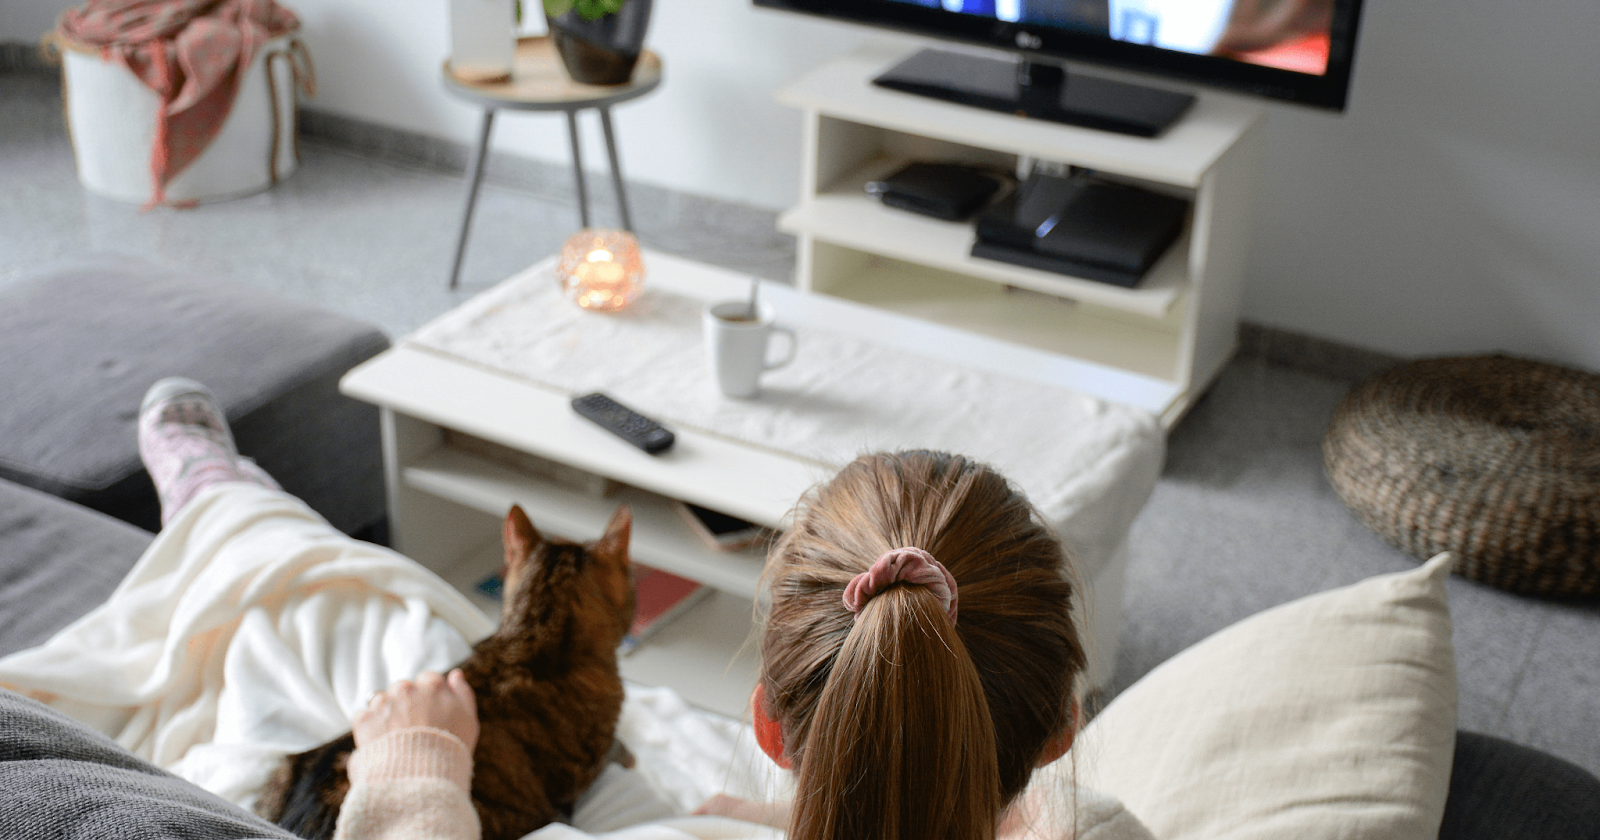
(192, 53)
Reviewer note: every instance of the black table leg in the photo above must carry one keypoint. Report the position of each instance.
(616, 168)
(474, 178)
(577, 167)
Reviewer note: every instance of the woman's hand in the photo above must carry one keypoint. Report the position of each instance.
(440, 702)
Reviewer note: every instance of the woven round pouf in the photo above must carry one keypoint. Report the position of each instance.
(1494, 458)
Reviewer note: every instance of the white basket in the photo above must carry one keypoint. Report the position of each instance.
(112, 119)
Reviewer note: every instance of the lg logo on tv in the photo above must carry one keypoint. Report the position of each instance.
(1028, 41)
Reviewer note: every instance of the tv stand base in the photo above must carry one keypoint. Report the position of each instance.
(1041, 90)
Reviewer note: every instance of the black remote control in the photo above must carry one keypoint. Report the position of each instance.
(624, 422)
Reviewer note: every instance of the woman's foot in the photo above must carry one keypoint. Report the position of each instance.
(186, 445)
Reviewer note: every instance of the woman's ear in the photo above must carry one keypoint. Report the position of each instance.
(769, 734)
(1058, 745)
(1055, 748)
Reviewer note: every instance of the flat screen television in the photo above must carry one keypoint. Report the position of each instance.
(1292, 50)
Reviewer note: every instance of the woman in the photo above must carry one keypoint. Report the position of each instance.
(919, 654)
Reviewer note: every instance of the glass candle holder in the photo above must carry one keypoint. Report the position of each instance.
(601, 269)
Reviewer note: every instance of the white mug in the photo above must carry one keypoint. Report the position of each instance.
(737, 344)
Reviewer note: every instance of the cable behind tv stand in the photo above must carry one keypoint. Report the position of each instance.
(1039, 89)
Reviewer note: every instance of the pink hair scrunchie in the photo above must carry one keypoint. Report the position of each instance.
(903, 565)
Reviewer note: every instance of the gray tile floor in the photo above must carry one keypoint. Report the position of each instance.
(1242, 519)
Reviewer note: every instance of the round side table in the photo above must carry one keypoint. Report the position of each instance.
(539, 82)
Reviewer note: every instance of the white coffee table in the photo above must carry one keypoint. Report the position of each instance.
(445, 504)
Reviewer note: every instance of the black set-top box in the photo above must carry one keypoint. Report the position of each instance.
(949, 191)
(1082, 225)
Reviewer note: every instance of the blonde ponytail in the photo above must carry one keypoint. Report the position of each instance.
(900, 744)
(901, 724)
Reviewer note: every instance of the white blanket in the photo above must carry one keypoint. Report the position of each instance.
(250, 629)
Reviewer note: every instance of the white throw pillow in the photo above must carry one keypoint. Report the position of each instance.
(1330, 716)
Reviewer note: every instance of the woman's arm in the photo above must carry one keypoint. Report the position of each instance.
(775, 814)
(411, 773)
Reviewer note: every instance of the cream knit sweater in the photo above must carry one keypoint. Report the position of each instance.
(413, 784)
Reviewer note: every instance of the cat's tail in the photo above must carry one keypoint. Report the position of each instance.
(306, 790)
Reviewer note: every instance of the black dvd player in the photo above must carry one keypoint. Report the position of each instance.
(1083, 225)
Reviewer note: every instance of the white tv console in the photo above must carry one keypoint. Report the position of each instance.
(1157, 346)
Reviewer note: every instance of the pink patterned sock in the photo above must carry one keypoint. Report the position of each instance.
(186, 445)
(253, 472)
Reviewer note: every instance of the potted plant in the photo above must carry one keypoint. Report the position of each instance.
(599, 40)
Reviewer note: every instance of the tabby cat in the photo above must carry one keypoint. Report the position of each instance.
(547, 686)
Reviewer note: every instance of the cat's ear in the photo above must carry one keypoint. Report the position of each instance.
(520, 537)
(614, 543)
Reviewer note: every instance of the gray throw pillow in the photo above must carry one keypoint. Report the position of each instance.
(60, 780)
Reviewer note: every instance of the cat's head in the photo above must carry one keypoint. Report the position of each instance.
(584, 585)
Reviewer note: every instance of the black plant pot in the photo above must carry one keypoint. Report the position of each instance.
(601, 51)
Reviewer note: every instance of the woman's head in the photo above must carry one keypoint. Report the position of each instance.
(899, 722)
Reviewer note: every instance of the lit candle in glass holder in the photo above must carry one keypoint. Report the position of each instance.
(601, 269)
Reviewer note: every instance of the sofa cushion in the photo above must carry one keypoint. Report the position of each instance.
(64, 781)
(80, 343)
(1330, 716)
(58, 560)
(1505, 791)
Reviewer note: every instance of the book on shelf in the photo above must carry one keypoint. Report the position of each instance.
(562, 475)
(720, 531)
(662, 596)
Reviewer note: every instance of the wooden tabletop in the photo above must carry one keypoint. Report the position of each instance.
(539, 82)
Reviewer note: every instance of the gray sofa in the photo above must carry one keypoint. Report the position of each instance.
(60, 780)
(81, 341)
(59, 559)
(79, 345)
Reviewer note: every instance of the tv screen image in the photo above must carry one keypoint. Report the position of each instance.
(1299, 51)
(1288, 34)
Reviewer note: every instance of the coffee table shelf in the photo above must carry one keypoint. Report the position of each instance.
(661, 538)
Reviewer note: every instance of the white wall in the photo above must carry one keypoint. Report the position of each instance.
(1454, 208)
(711, 129)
